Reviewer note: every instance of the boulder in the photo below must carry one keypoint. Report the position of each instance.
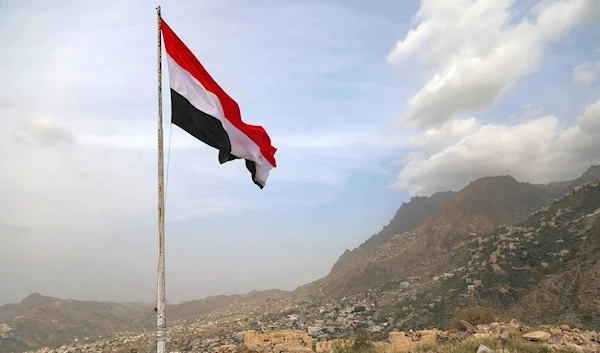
(575, 347)
(538, 336)
(591, 335)
(555, 331)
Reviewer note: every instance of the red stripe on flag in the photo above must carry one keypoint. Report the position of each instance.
(179, 52)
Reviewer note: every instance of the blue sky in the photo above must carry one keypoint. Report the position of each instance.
(368, 102)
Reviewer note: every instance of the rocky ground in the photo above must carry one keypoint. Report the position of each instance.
(497, 336)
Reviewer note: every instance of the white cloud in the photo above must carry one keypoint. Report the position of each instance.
(56, 180)
(45, 131)
(451, 132)
(475, 54)
(586, 74)
(537, 151)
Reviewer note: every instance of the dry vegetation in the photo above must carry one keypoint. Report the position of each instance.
(476, 315)
(362, 344)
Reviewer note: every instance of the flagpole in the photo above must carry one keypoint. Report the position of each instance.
(161, 322)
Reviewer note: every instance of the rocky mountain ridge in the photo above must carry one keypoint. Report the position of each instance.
(409, 216)
(481, 206)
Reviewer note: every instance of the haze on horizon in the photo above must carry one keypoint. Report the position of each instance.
(368, 103)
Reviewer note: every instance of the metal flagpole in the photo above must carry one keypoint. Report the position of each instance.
(161, 322)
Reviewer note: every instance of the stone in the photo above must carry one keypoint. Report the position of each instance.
(470, 328)
(484, 349)
(503, 336)
(575, 347)
(481, 336)
(539, 336)
(443, 336)
(555, 331)
(565, 328)
(226, 348)
(581, 339)
(590, 335)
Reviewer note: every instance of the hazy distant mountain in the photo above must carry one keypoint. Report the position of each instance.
(194, 308)
(39, 321)
(45, 321)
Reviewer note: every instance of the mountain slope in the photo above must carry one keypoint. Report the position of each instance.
(481, 206)
(409, 216)
(39, 320)
(543, 270)
(560, 188)
(194, 308)
(573, 294)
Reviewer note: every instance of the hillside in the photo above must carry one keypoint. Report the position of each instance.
(39, 320)
(560, 188)
(542, 270)
(481, 206)
(194, 308)
(409, 216)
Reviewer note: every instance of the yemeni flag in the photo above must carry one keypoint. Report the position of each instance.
(203, 109)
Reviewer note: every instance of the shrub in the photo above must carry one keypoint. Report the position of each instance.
(362, 344)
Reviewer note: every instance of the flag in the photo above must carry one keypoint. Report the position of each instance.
(201, 107)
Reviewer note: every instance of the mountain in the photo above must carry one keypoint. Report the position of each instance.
(423, 248)
(39, 320)
(544, 270)
(560, 188)
(572, 293)
(194, 308)
(409, 216)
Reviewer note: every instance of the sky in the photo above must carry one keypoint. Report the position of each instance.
(369, 103)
